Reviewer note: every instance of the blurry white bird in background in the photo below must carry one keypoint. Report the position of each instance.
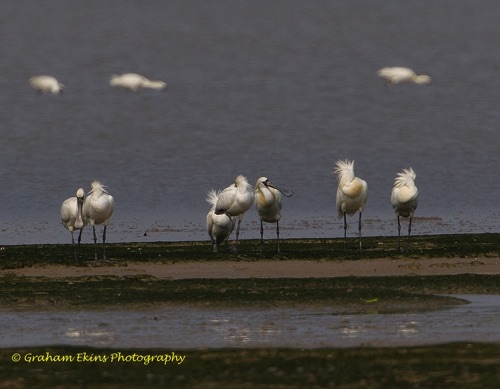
(352, 193)
(46, 84)
(397, 75)
(71, 217)
(97, 209)
(235, 200)
(268, 204)
(404, 199)
(219, 227)
(134, 81)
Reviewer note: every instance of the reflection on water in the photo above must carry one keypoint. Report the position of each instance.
(182, 327)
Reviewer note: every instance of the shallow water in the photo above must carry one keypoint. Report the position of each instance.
(280, 89)
(186, 328)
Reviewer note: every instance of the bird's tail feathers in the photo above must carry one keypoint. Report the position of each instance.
(405, 177)
(344, 170)
(212, 197)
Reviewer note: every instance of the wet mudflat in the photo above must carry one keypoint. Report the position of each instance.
(352, 331)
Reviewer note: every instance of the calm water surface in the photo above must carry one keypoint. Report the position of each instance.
(187, 328)
(281, 89)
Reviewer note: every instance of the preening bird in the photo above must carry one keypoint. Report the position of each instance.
(397, 75)
(404, 199)
(235, 200)
(268, 203)
(71, 217)
(134, 81)
(219, 227)
(97, 209)
(46, 84)
(352, 193)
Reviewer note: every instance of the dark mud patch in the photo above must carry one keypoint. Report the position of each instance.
(458, 365)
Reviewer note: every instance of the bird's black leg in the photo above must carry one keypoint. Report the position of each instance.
(261, 237)
(278, 236)
(74, 247)
(345, 230)
(95, 246)
(104, 244)
(359, 230)
(399, 234)
(237, 235)
(409, 232)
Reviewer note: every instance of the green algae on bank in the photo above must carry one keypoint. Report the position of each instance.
(347, 294)
(445, 246)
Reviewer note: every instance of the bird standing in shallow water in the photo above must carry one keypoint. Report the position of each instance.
(219, 227)
(97, 209)
(404, 199)
(46, 84)
(352, 193)
(71, 217)
(268, 204)
(235, 200)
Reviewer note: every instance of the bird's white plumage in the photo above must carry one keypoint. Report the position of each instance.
(267, 198)
(134, 81)
(404, 195)
(235, 200)
(71, 211)
(219, 227)
(399, 74)
(72, 217)
(97, 209)
(46, 84)
(404, 199)
(352, 192)
(267, 201)
(99, 205)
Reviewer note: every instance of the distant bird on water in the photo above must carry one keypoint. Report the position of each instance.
(352, 193)
(219, 227)
(46, 84)
(134, 81)
(71, 217)
(268, 204)
(404, 199)
(235, 200)
(397, 75)
(97, 209)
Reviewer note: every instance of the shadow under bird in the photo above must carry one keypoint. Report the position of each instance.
(72, 218)
(352, 193)
(219, 227)
(97, 209)
(235, 200)
(267, 198)
(404, 199)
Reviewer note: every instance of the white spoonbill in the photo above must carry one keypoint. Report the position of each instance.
(97, 209)
(46, 84)
(134, 81)
(397, 75)
(404, 199)
(235, 200)
(219, 227)
(268, 204)
(352, 193)
(71, 216)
